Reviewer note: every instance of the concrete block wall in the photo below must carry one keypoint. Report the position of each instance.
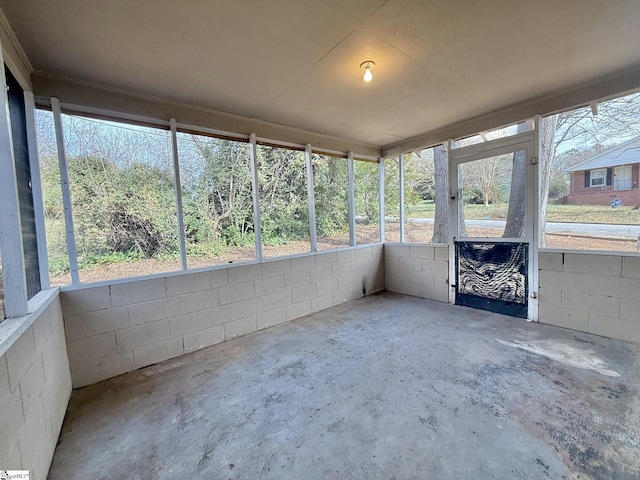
(35, 385)
(113, 328)
(418, 270)
(592, 292)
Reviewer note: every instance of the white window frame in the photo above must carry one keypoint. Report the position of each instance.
(604, 177)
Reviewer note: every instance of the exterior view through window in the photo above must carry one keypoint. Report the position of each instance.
(367, 201)
(331, 192)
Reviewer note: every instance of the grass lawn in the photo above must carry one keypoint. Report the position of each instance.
(555, 213)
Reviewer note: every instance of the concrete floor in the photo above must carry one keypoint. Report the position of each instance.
(384, 387)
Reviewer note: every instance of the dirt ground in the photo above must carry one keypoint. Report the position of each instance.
(414, 233)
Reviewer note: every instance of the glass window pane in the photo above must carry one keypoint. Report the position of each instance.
(367, 200)
(391, 200)
(284, 209)
(217, 203)
(419, 196)
(502, 132)
(2, 314)
(122, 186)
(331, 192)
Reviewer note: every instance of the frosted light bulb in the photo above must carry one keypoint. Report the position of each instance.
(367, 74)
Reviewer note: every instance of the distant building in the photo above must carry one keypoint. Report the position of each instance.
(612, 174)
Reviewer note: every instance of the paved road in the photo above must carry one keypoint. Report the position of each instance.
(586, 229)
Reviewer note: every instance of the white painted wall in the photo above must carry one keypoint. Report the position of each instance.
(592, 292)
(35, 385)
(116, 327)
(418, 270)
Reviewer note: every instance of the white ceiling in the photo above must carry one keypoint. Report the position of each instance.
(296, 62)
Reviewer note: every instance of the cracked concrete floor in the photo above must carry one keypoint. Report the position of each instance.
(388, 386)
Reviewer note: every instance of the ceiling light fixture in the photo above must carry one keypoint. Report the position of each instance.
(367, 67)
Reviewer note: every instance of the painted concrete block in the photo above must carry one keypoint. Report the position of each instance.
(41, 329)
(422, 251)
(326, 287)
(630, 309)
(441, 252)
(188, 283)
(131, 337)
(274, 268)
(269, 285)
(92, 347)
(20, 356)
(92, 323)
(11, 422)
(297, 310)
(36, 441)
(14, 459)
(204, 338)
(305, 292)
(246, 308)
(31, 386)
(550, 261)
(153, 311)
(4, 381)
(614, 328)
(277, 300)
(85, 300)
(138, 291)
(347, 282)
(437, 267)
(219, 277)
(408, 264)
(341, 270)
(414, 289)
(550, 296)
(563, 318)
(346, 256)
(366, 253)
(297, 279)
(425, 279)
(399, 251)
(439, 292)
(610, 265)
(271, 318)
(189, 323)
(98, 369)
(322, 302)
(240, 327)
(631, 267)
(221, 314)
(198, 301)
(326, 258)
(321, 274)
(244, 273)
(157, 352)
(237, 292)
(591, 303)
(306, 262)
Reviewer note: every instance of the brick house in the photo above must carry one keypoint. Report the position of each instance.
(614, 173)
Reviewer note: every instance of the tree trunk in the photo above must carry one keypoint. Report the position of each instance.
(441, 174)
(517, 201)
(547, 136)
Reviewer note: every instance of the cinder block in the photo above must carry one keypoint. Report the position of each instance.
(138, 291)
(408, 264)
(42, 329)
(326, 287)
(563, 318)
(204, 338)
(153, 311)
(630, 310)
(322, 302)
(439, 292)
(399, 251)
(297, 279)
(341, 270)
(591, 303)
(326, 258)
(14, 459)
(350, 281)
(346, 295)
(277, 300)
(269, 285)
(36, 442)
(146, 334)
(145, 355)
(364, 254)
(631, 267)
(4, 381)
(274, 268)
(189, 323)
(297, 310)
(240, 327)
(441, 252)
(85, 299)
(219, 277)
(20, 356)
(246, 308)
(549, 296)
(89, 348)
(305, 262)
(594, 264)
(237, 292)
(422, 251)
(550, 261)
(440, 268)
(99, 369)
(198, 301)
(188, 283)
(221, 314)
(244, 273)
(321, 274)
(614, 328)
(271, 318)
(93, 323)
(425, 279)
(346, 256)
(12, 423)
(414, 289)
(31, 386)
(305, 292)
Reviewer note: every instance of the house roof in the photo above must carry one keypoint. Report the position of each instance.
(624, 154)
(297, 63)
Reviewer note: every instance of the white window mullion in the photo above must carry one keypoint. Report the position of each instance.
(311, 199)
(257, 226)
(381, 192)
(401, 181)
(176, 173)
(352, 200)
